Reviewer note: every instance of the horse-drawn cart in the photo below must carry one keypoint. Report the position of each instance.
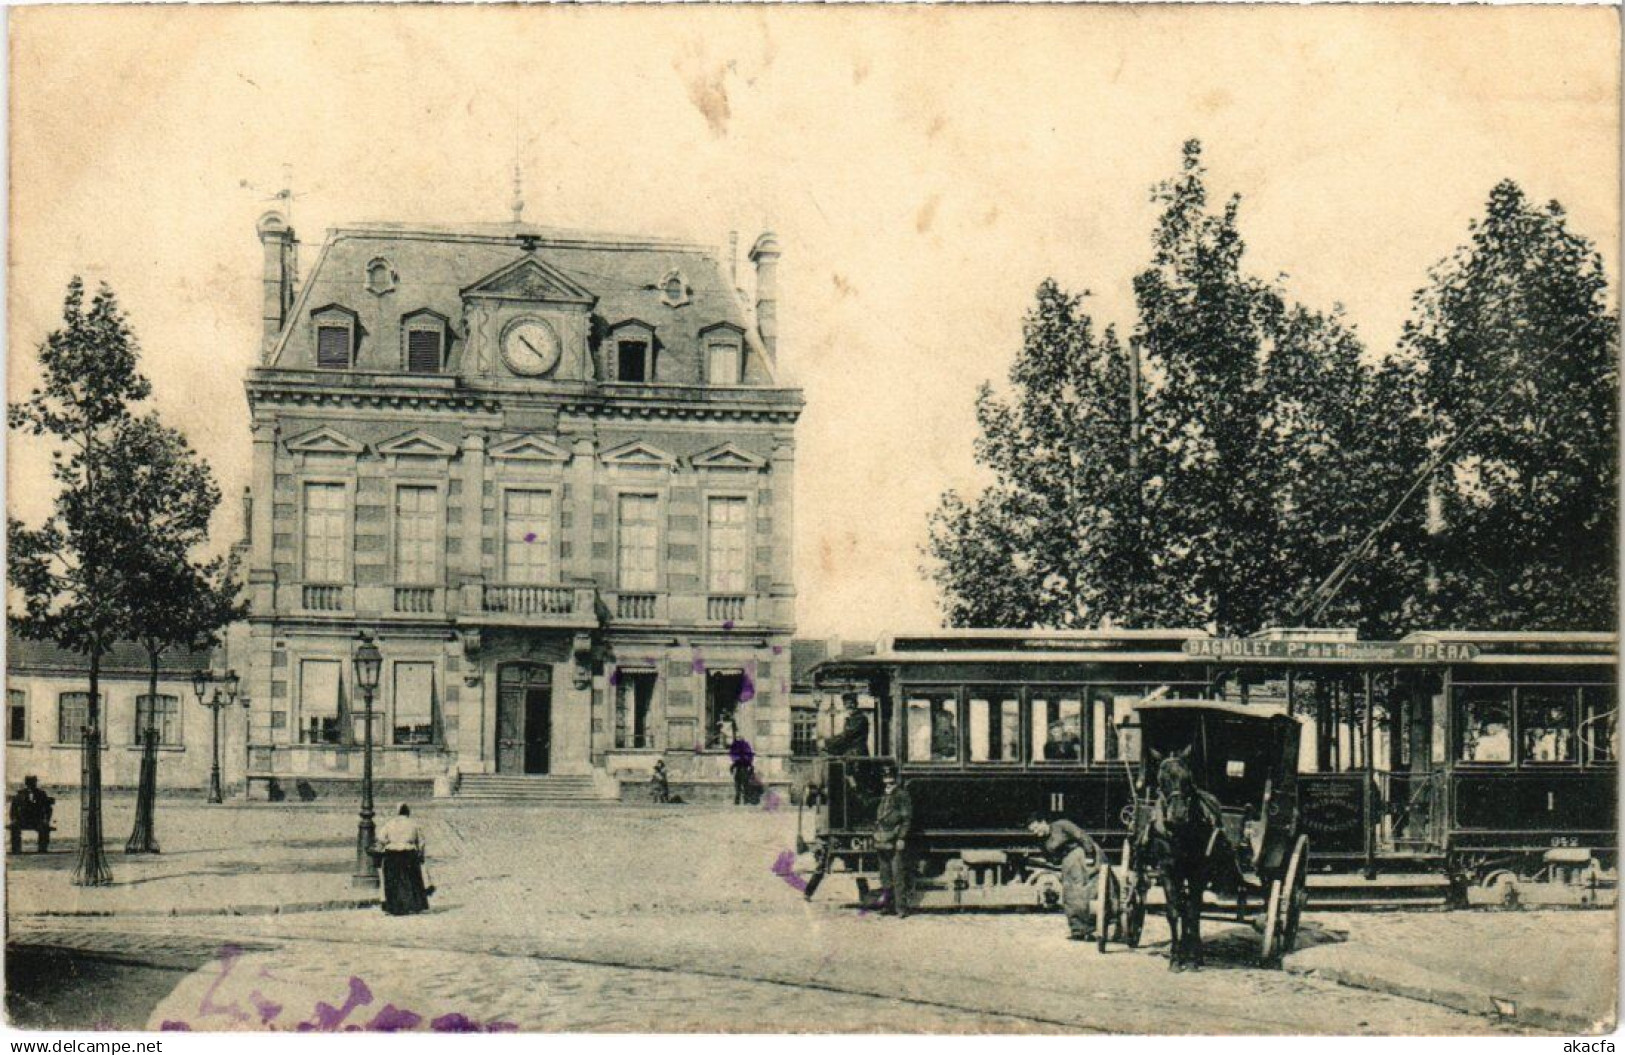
(1216, 807)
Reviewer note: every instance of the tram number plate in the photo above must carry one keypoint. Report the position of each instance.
(863, 843)
(1568, 841)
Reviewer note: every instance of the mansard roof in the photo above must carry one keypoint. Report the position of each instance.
(617, 277)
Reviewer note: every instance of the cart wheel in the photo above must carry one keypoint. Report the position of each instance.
(1269, 954)
(1296, 893)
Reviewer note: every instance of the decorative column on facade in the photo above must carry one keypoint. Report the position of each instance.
(468, 571)
(783, 591)
(261, 564)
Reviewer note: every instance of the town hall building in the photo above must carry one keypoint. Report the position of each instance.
(551, 474)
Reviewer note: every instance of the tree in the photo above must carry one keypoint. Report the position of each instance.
(1052, 543)
(67, 570)
(173, 600)
(1205, 330)
(1343, 439)
(1518, 355)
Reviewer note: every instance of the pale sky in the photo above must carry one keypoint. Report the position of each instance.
(923, 168)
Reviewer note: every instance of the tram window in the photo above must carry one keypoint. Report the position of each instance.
(995, 729)
(1109, 709)
(1485, 715)
(1057, 730)
(1600, 730)
(1546, 725)
(932, 729)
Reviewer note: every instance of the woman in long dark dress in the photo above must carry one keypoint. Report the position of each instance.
(403, 847)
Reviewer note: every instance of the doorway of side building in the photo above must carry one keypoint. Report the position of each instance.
(524, 718)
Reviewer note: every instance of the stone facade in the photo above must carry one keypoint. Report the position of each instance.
(551, 474)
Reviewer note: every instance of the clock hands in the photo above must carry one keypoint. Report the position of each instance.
(533, 349)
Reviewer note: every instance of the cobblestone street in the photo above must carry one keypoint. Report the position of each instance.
(673, 919)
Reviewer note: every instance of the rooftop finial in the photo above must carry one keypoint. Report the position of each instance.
(518, 194)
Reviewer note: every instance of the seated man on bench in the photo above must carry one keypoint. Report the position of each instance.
(30, 811)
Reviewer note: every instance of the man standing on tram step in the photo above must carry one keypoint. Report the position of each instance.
(853, 739)
(893, 819)
(1078, 856)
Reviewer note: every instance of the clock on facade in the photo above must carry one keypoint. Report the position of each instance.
(530, 347)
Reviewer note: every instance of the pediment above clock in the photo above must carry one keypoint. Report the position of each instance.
(419, 444)
(324, 440)
(531, 279)
(530, 448)
(728, 456)
(639, 453)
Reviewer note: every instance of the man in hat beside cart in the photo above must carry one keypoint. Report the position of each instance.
(1078, 856)
(893, 818)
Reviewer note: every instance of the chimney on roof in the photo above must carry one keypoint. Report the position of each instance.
(765, 255)
(276, 237)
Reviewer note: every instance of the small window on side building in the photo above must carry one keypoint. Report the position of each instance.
(16, 716)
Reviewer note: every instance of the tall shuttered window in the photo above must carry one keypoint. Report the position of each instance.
(527, 537)
(638, 541)
(425, 352)
(324, 533)
(726, 544)
(333, 347)
(417, 510)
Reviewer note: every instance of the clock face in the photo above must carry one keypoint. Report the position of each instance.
(530, 347)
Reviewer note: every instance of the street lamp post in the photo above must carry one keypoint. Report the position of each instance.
(217, 703)
(368, 662)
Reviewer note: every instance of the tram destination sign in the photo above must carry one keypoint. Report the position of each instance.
(1336, 651)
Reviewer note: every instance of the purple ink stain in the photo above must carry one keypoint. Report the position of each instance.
(784, 866)
(328, 1018)
(455, 1022)
(771, 801)
(741, 752)
(502, 1027)
(530, 536)
(393, 1019)
(727, 624)
(615, 676)
(778, 650)
(698, 665)
(171, 1026)
(747, 688)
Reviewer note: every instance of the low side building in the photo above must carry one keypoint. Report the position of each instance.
(47, 696)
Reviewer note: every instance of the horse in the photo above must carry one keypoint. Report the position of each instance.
(1184, 827)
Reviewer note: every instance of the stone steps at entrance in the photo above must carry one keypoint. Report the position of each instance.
(514, 787)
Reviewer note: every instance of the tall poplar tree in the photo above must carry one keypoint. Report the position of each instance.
(1519, 355)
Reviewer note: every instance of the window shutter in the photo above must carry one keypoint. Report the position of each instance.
(423, 351)
(333, 347)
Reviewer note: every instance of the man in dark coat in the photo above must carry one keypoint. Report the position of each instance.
(1078, 856)
(893, 819)
(743, 767)
(853, 739)
(31, 811)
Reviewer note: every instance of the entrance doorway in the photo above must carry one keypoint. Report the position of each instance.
(524, 718)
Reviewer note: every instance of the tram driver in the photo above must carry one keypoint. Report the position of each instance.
(853, 739)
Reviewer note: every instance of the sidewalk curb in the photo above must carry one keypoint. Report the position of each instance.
(290, 908)
(1446, 992)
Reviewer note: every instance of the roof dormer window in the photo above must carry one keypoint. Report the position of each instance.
(632, 360)
(335, 337)
(423, 335)
(632, 351)
(724, 354)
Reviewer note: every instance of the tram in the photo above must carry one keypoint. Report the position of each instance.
(1486, 758)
